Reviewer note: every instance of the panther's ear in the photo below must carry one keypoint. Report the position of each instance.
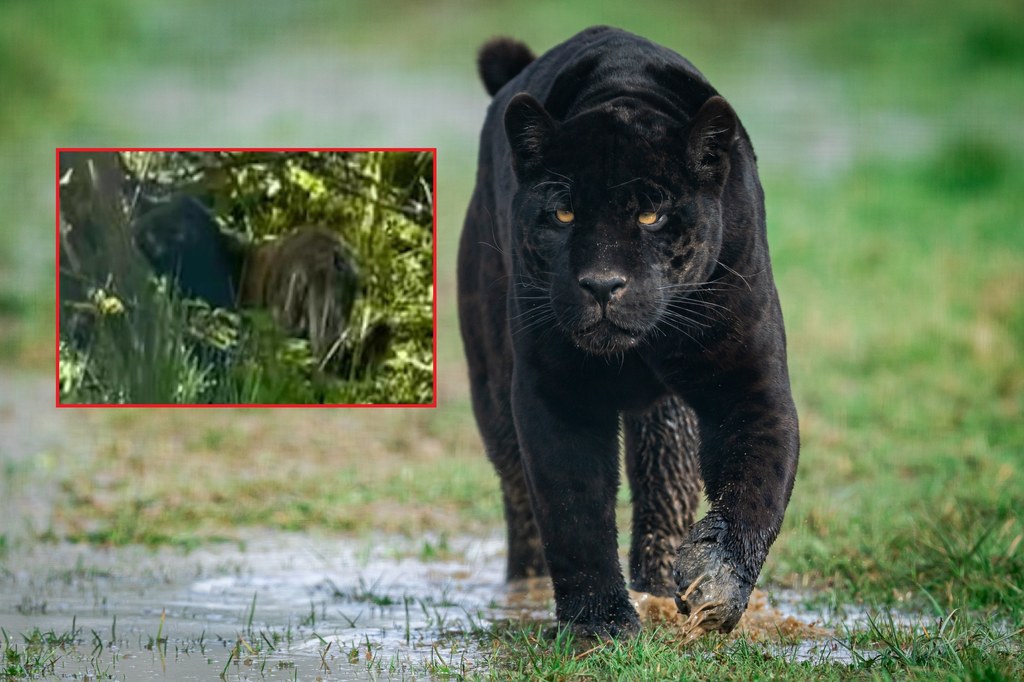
(712, 136)
(528, 127)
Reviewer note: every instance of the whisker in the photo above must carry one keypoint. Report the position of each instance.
(742, 277)
(700, 285)
(683, 331)
(623, 184)
(493, 246)
(696, 299)
(685, 315)
(706, 304)
(558, 182)
(529, 312)
(566, 177)
(533, 324)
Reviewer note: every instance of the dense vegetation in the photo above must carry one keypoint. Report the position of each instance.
(147, 343)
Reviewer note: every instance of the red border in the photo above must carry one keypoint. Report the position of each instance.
(56, 185)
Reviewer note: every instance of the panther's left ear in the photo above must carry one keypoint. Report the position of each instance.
(528, 126)
(712, 136)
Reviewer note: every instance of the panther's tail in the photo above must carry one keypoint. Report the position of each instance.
(500, 60)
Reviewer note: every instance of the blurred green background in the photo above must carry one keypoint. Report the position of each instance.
(892, 126)
(890, 143)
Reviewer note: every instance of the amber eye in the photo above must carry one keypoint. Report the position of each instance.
(564, 216)
(648, 218)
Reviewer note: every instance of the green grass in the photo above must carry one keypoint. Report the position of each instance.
(905, 349)
(36, 655)
(901, 272)
(183, 478)
(884, 651)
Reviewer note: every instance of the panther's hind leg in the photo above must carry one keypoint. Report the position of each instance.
(483, 321)
(661, 462)
(525, 552)
(494, 417)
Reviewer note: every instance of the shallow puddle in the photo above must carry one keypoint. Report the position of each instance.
(298, 607)
(288, 607)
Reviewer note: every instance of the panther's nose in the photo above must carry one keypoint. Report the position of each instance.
(603, 286)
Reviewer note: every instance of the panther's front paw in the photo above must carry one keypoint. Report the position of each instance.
(711, 590)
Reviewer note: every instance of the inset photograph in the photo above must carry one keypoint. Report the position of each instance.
(246, 277)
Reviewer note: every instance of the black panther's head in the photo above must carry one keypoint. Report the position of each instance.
(618, 215)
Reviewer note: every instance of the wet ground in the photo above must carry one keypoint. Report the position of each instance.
(283, 606)
(272, 605)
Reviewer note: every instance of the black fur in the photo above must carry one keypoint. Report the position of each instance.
(614, 267)
(182, 241)
(500, 61)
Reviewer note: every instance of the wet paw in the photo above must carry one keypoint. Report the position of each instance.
(711, 591)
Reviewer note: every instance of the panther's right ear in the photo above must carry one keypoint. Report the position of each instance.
(528, 126)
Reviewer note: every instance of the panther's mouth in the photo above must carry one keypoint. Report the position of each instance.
(605, 337)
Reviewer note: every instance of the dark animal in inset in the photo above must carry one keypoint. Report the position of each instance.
(182, 241)
(307, 278)
(614, 268)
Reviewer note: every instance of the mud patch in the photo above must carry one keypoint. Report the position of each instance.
(762, 621)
